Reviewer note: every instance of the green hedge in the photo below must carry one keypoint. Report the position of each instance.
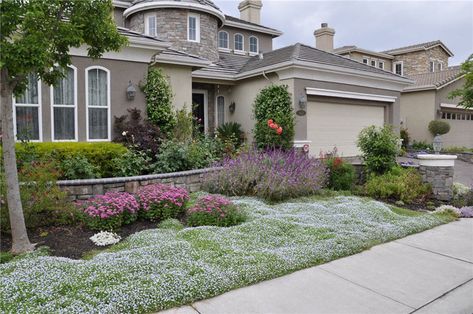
(98, 154)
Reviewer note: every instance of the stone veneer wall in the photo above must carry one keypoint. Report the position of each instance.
(419, 61)
(441, 180)
(84, 189)
(172, 27)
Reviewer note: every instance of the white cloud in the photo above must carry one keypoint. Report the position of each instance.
(375, 25)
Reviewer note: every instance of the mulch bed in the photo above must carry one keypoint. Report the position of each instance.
(71, 241)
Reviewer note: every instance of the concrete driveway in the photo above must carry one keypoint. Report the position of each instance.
(429, 272)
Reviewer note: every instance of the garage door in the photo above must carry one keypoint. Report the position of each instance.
(336, 124)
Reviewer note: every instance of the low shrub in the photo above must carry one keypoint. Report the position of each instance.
(457, 149)
(182, 131)
(231, 135)
(132, 163)
(405, 138)
(273, 175)
(109, 211)
(437, 127)
(137, 133)
(5, 257)
(379, 147)
(160, 201)
(341, 174)
(214, 210)
(398, 184)
(462, 195)
(78, 167)
(421, 145)
(44, 203)
(99, 155)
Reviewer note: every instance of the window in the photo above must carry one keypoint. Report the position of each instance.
(253, 44)
(457, 116)
(150, 25)
(381, 65)
(223, 40)
(439, 66)
(431, 66)
(27, 111)
(365, 60)
(238, 42)
(398, 68)
(97, 80)
(373, 63)
(220, 110)
(193, 28)
(64, 107)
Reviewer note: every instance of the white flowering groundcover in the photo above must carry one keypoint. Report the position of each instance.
(165, 267)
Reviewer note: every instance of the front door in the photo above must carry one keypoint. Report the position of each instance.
(199, 106)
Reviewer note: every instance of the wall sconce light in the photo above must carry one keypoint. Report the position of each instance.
(232, 107)
(303, 102)
(437, 144)
(130, 91)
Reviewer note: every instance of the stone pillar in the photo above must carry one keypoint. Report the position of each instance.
(437, 170)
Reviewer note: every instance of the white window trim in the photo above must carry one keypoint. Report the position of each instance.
(228, 41)
(242, 43)
(206, 107)
(216, 110)
(367, 60)
(257, 46)
(109, 124)
(51, 96)
(375, 63)
(441, 65)
(381, 65)
(40, 114)
(197, 28)
(147, 16)
(402, 67)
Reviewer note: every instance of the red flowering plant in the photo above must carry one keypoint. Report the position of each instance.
(214, 210)
(341, 174)
(160, 201)
(273, 125)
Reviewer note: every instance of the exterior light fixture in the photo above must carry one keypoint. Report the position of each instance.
(231, 108)
(437, 144)
(302, 102)
(130, 91)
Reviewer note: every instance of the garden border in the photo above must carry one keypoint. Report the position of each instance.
(86, 188)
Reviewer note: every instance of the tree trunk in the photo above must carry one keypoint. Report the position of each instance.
(20, 241)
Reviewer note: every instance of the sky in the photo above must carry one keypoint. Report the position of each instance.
(372, 25)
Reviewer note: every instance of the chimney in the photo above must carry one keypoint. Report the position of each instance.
(250, 11)
(324, 38)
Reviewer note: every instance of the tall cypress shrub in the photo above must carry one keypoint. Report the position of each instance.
(274, 103)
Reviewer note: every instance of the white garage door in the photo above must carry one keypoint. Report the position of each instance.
(334, 124)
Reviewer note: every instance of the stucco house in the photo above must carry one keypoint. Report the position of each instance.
(219, 63)
(427, 99)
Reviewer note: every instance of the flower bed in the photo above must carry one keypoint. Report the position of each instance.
(160, 201)
(214, 210)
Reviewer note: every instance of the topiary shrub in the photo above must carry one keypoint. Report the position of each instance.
(274, 103)
(437, 127)
(405, 137)
(379, 147)
(159, 100)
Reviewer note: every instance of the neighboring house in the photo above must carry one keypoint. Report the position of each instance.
(218, 63)
(427, 65)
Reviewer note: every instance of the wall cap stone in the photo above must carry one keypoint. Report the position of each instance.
(432, 160)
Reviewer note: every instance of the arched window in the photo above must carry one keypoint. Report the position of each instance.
(253, 45)
(239, 42)
(97, 98)
(64, 107)
(220, 110)
(223, 39)
(27, 111)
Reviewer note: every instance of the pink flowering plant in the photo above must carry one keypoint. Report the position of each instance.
(160, 201)
(109, 211)
(214, 210)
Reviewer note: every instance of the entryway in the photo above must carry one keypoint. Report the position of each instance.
(200, 108)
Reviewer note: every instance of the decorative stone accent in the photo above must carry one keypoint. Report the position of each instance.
(438, 170)
(419, 61)
(84, 189)
(172, 27)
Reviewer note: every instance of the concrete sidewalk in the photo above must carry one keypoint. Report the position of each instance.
(429, 272)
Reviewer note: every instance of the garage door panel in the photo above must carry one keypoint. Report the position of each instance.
(338, 124)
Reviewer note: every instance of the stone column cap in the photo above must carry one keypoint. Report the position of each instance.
(432, 160)
(436, 157)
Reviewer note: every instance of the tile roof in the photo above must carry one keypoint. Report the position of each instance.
(306, 53)
(433, 80)
(237, 20)
(129, 33)
(418, 46)
(201, 2)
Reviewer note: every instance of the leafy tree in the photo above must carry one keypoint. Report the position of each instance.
(35, 37)
(465, 93)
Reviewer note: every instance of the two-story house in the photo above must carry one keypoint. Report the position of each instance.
(427, 99)
(216, 64)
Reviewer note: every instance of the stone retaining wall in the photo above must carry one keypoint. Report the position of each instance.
(84, 189)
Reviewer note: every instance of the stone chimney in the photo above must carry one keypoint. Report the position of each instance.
(250, 11)
(324, 38)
